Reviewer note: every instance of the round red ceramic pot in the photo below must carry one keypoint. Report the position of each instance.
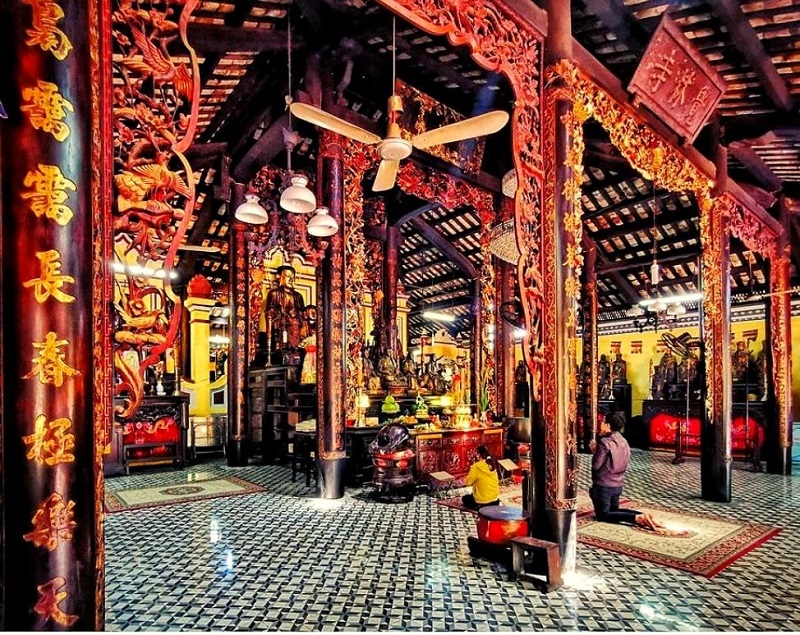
(499, 524)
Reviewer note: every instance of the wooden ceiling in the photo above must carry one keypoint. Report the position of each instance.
(755, 46)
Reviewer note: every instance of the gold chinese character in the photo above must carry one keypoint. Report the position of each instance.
(683, 80)
(50, 596)
(50, 442)
(47, 108)
(660, 70)
(51, 280)
(49, 365)
(49, 193)
(44, 32)
(52, 522)
(698, 105)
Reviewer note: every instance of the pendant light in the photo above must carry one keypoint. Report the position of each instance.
(322, 224)
(296, 198)
(251, 211)
(655, 278)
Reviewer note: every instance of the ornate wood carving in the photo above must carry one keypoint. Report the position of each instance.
(503, 42)
(780, 323)
(755, 235)
(155, 115)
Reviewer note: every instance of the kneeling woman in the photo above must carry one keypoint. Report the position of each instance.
(485, 483)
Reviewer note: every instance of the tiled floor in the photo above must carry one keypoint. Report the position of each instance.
(281, 561)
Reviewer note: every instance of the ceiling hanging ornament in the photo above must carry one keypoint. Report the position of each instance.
(251, 211)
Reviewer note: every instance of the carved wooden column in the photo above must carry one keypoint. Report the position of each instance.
(504, 339)
(239, 356)
(504, 332)
(56, 398)
(779, 459)
(391, 274)
(331, 327)
(590, 347)
(476, 380)
(715, 461)
(554, 450)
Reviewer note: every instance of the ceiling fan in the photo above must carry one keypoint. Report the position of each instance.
(393, 148)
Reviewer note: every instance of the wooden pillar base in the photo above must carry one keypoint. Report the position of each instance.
(331, 478)
(236, 453)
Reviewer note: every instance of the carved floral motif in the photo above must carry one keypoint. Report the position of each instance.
(154, 118)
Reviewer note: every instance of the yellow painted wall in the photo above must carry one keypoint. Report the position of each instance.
(638, 349)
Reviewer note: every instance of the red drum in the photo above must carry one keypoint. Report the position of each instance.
(498, 524)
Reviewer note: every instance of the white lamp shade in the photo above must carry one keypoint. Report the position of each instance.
(658, 306)
(322, 224)
(297, 198)
(676, 309)
(251, 211)
(635, 311)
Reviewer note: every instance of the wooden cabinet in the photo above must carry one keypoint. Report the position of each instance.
(454, 451)
(276, 403)
(154, 434)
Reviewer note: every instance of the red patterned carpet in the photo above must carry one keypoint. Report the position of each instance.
(698, 543)
(140, 498)
(702, 544)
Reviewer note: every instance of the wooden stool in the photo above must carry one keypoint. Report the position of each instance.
(441, 483)
(545, 558)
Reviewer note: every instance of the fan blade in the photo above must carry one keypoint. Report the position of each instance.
(323, 119)
(387, 173)
(473, 127)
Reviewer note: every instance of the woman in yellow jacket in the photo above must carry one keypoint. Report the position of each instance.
(485, 483)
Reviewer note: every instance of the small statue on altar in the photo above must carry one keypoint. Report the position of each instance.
(668, 367)
(283, 312)
(740, 362)
(308, 371)
(656, 381)
(408, 368)
(604, 391)
(619, 370)
(387, 369)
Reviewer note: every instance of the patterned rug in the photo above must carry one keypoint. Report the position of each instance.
(140, 498)
(698, 543)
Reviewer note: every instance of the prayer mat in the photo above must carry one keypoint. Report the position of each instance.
(140, 498)
(511, 495)
(698, 543)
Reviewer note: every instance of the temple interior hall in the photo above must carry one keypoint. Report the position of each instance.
(399, 315)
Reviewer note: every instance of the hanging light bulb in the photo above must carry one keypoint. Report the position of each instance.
(251, 211)
(297, 198)
(322, 224)
(655, 277)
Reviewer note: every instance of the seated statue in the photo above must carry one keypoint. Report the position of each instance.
(283, 313)
(668, 367)
(740, 362)
(619, 370)
(687, 369)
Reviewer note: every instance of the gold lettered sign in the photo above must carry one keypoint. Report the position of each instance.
(676, 82)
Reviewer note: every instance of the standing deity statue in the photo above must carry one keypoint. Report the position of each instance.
(740, 362)
(619, 370)
(604, 391)
(283, 312)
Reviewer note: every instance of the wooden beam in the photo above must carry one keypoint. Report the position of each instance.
(747, 42)
(755, 165)
(407, 216)
(222, 39)
(619, 20)
(617, 278)
(685, 214)
(441, 243)
(673, 255)
(269, 145)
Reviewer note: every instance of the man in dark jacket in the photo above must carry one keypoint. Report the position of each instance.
(609, 463)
